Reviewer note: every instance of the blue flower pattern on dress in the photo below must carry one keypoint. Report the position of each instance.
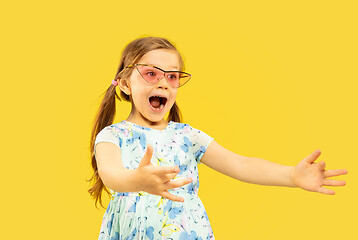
(182, 167)
(140, 215)
(186, 145)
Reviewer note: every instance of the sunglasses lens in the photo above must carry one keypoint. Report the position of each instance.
(174, 79)
(153, 75)
(150, 74)
(184, 77)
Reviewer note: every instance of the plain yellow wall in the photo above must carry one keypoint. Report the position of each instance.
(271, 79)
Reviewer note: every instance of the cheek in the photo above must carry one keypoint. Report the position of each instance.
(173, 99)
(139, 96)
(174, 96)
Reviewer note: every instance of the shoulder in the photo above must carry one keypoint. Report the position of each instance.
(120, 126)
(111, 133)
(178, 125)
(111, 128)
(186, 128)
(182, 128)
(116, 129)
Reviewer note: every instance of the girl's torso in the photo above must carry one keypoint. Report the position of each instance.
(147, 215)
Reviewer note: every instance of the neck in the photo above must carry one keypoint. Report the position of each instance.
(139, 119)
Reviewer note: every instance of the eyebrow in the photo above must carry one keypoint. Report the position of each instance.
(169, 67)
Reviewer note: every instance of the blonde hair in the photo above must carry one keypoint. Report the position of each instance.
(131, 54)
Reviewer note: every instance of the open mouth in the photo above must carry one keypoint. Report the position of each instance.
(157, 102)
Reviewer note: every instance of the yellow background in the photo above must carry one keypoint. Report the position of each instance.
(271, 79)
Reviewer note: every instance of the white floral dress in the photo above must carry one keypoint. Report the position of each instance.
(140, 215)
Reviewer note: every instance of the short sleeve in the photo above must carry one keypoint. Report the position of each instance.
(109, 134)
(200, 142)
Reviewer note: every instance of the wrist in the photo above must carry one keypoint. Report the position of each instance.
(292, 176)
(135, 180)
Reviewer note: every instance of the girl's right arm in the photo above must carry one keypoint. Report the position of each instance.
(147, 177)
(111, 170)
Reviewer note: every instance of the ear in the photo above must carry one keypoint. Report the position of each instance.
(124, 86)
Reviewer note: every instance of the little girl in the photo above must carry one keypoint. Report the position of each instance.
(149, 164)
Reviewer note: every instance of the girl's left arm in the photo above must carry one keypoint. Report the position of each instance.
(307, 174)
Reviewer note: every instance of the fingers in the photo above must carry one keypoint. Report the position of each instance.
(172, 197)
(331, 182)
(168, 169)
(326, 191)
(171, 176)
(168, 173)
(177, 183)
(147, 156)
(321, 165)
(334, 172)
(313, 156)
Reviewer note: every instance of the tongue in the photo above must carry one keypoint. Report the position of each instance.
(155, 101)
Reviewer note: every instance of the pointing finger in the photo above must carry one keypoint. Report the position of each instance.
(313, 156)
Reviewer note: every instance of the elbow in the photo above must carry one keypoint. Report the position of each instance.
(242, 159)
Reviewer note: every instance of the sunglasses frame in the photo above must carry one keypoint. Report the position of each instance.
(164, 71)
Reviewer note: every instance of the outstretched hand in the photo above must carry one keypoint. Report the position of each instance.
(157, 179)
(311, 176)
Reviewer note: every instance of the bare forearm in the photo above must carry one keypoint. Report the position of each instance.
(261, 171)
(123, 180)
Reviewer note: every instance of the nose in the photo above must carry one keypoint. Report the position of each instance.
(163, 83)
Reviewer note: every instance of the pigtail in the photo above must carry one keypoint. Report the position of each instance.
(175, 114)
(104, 118)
